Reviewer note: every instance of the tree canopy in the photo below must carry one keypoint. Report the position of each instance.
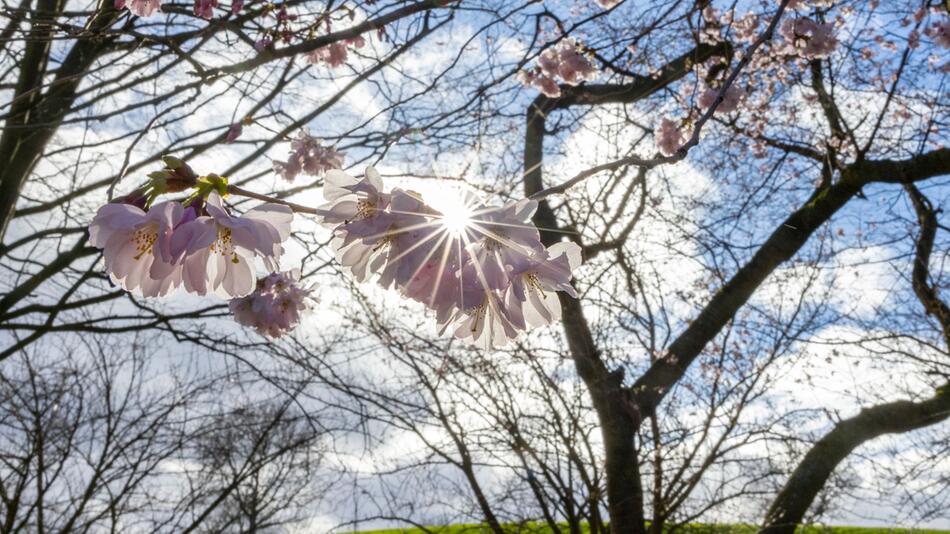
(616, 265)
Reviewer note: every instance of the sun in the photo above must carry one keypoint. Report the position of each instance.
(457, 220)
(456, 206)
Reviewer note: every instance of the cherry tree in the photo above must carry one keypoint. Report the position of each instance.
(621, 265)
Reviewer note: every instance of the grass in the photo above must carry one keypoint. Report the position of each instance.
(693, 528)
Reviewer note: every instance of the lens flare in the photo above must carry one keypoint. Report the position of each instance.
(457, 220)
(456, 205)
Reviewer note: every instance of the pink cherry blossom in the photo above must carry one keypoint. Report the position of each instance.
(357, 210)
(540, 81)
(564, 62)
(668, 137)
(276, 305)
(308, 156)
(535, 285)
(136, 246)
(504, 240)
(358, 205)
(746, 28)
(424, 235)
(940, 33)
(362, 260)
(140, 8)
(488, 324)
(607, 4)
(356, 42)
(219, 248)
(730, 101)
(414, 240)
(284, 16)
(446, 283)
(808, 4)
(205, 8)
(335, 54)
(482, 270)
(567, 62)
(234, 131)
(808, 38)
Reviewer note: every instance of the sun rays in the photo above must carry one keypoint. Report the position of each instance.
(482, 269)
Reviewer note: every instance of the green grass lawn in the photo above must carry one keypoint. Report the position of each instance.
(696, 528)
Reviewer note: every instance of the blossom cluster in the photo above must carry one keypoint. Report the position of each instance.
(202, 8)
(276, 305)
(335, 54)
(940, 33)
(309, 156)
(197, 244)
(201, 246)
(668, 137)
(282, 29)
(139, 8)
(566, 62)
(807, 38)
(809, 4)
(746, 28)
(482, 269)
(730, 100)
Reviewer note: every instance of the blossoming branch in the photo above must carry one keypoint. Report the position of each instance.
(481, 269)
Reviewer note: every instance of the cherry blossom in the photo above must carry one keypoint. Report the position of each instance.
(335, 54)
(940, 33)
(205, 8)
(284, 16)
(808, 4)
(413, 242)
(482, 269)
(140, 8)
(746, 28)
(487, 325)
(536, 283)
(808, 38)
(506, 240)
(668, 137)
(308, 156)
(730, 100)
(136, 246)
(276, 305)
(219, 248)
(391, 243)
(607, 4)
(234, 131)
(359, 205)
(357, 210)
(565, 62)
(540, 81)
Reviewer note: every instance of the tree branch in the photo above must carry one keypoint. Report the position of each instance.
(784, 242)
(268, 55)
(812, 473)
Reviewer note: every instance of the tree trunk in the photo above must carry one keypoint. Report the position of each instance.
(35, 116)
